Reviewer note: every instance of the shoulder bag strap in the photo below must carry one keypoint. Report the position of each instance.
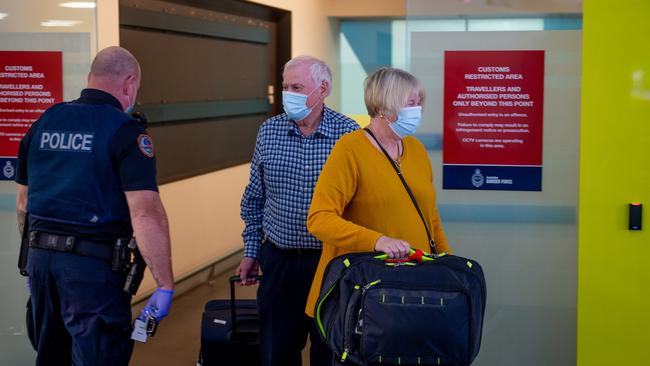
(432, 244)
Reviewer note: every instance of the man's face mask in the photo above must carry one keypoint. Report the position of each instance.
(408, 121)
(295, 105)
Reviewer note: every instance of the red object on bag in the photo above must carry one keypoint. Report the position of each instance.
(415, 256)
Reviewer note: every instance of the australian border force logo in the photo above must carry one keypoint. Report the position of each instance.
(8, 170)
(478, 179)
(145, 144)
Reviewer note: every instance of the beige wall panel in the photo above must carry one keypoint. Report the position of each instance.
(108, 23)
(204, 219)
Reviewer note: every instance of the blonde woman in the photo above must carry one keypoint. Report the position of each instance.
(359, 203)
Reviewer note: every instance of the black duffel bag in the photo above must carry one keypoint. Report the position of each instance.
(427, 310)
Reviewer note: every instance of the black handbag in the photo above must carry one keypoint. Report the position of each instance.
(427, 311)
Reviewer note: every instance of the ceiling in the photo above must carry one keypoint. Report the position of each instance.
(27, 16)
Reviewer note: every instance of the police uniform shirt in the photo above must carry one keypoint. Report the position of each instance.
(133, 160)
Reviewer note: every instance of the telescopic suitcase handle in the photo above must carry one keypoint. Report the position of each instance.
(233, 303)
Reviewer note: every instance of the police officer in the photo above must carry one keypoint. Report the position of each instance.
(87, 177)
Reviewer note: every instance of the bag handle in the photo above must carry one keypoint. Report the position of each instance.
(432, 244)
(415, 255)
(233, 303)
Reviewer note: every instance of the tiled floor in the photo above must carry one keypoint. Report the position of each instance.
(177, 340)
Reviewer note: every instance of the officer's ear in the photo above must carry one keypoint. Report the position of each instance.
(130, 83)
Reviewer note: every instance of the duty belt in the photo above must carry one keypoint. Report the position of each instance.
(71, 244)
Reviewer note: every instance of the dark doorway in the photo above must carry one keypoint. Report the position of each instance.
(211, 76)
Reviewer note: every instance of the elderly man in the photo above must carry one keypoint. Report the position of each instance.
(290, 151)
(87, 179)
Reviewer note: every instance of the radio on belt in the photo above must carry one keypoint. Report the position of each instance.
(142, 329)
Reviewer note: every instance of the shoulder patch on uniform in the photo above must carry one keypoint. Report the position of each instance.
(145, 144)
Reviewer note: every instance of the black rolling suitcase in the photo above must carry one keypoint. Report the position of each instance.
(230, 332)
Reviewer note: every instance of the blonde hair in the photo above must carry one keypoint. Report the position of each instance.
(387, 90)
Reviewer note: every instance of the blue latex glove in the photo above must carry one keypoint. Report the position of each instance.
(158, 305)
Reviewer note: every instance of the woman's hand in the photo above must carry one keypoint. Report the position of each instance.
(395, 248)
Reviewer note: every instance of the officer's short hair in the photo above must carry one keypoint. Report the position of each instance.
(113, 62)
(386, 91)
(318, 68)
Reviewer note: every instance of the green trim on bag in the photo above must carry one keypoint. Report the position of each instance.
(320, 303)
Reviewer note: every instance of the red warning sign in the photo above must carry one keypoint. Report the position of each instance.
(30, 83)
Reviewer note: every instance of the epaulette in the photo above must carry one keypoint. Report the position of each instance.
(140, 118)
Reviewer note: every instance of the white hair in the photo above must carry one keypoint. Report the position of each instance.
(318, 68)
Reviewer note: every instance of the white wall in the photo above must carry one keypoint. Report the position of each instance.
(108, 23)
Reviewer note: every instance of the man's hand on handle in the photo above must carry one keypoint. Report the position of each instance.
(248, 268)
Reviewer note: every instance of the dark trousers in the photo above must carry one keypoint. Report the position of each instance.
(81, 315)
(281, 301)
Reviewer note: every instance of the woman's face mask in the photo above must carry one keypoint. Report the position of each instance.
(408, 121)
(295, 105)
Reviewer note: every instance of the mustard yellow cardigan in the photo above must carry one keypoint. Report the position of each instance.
(359, 197)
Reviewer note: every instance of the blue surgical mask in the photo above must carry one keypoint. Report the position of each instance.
(408, 121)
(295, 105)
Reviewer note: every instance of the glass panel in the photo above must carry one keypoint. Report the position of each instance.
(526, 241)
(35, 25)
(366, 45)
(505, 24)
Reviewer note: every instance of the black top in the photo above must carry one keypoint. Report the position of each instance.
(134, 163)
